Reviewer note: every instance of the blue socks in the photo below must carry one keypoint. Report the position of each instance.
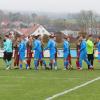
(20, 66)
(36, 64)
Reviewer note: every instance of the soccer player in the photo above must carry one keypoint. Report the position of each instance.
(52, 46)
(9, 51)
(90, 50)
(41, 57)
(16, 53)
(22, 48)
(4, 47)
(69, 57)
(78, 53)
(83, 53)
(66, 48)
(98, 46)
(29, 50)
(38, 50)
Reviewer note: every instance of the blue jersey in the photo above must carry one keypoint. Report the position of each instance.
(66, 48)
(37, 48)
(8, 46)
(83, 47)
(22, 46)
(37, 45)
(52, 46)
(98, 46)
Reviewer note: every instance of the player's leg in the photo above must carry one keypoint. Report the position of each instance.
(9, 60)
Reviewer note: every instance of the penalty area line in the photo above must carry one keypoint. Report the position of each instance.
(72, 89)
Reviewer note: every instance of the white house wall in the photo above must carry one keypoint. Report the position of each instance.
(41, 31)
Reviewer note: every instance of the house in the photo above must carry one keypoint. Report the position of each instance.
(39, 30)
(71, 33)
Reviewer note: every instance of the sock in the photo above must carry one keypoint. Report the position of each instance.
(20, 66)
(44, 63)
(36, 64)
(55, 64)
(50, 64)
(65, 64)
(26, 66)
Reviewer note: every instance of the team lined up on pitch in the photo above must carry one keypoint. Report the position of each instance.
(85, 51)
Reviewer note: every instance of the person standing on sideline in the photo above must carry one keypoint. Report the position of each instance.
(22, 49)
(66, 48)
(90, 50)
(83, 53)
(52, 48)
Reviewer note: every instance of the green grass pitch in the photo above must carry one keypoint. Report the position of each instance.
(39, 85)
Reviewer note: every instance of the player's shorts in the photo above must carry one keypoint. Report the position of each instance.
(8, 56)
(37, 55)
(66, 55)
(4, 56)
(99, 56)
(83, 56)
(22, 56)
(52, 56)
(40, 55)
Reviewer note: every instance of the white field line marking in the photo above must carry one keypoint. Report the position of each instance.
(44, 78)
(70, 90)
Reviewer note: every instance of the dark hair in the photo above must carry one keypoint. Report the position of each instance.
(7, 36)
(4, 40)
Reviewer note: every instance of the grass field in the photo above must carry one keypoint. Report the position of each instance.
(39, 85)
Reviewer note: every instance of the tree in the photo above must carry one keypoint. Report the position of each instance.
(86, 20)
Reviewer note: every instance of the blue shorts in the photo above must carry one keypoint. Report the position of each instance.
(52, 56)
(41, 56)
(83, 56)
(21, 56)
(99, 57)
(37, 55)
(66, 55)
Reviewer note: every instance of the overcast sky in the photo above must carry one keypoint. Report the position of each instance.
(50, 5)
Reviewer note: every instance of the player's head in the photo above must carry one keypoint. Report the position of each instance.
(98, 39)
(82, 37)
(22, 37)
(66, 37)
(37, 36)
(30, 38)
(10, 35)
(52, 36)
(6, 36)
(90, 36)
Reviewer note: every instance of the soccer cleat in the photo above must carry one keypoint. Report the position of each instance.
(7, 68)
(27, 68)
(65, 69)
(56, 67)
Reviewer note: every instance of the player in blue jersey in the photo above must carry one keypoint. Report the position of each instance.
(83, 53)
(22, 49)
(66, 48)
(52, 48)
(98, 47)
(38, 49)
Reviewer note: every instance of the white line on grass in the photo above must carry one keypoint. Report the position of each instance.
(44, 78)
(70, 90)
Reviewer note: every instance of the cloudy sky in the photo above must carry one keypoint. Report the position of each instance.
(50, 5)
